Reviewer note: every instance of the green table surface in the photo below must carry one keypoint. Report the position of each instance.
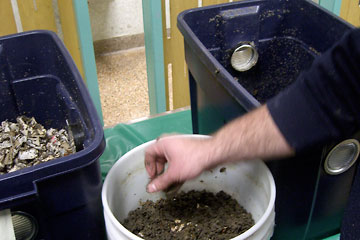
(124, 137)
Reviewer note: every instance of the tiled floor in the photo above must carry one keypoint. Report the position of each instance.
(123, 85)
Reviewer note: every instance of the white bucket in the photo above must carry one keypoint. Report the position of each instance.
(250, 183)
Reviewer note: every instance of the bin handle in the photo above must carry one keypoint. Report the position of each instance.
(22, 197)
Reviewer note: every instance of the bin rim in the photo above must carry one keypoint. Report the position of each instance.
(243, 97)
(221, 74)
(87, 156)
(98, 130)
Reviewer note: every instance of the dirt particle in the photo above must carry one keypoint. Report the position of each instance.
(223, 169)
(212, 19)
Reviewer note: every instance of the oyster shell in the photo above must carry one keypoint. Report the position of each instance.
(27, 143)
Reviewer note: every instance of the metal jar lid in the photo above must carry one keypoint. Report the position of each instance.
(244, 57)
(342, 157)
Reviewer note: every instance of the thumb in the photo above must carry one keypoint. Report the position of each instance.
(159, 183)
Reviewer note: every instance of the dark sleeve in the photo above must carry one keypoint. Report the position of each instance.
(324, 102)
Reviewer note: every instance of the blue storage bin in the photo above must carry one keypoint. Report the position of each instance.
(38, 78)
(287, 35)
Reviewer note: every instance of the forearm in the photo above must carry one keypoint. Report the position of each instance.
(255, 135)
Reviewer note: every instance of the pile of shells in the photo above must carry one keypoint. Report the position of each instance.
(27, 143)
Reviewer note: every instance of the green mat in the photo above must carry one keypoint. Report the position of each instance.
(335, 237)
(124, 137)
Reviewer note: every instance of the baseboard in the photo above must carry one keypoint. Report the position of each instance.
(118, 43)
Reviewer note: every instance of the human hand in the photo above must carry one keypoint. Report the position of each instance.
(254, 135)
(186, 158)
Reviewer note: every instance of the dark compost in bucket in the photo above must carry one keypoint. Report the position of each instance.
(191, 215)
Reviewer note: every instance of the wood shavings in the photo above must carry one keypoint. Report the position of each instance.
(123, 86)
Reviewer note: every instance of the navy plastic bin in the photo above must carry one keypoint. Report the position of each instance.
(288, 35)
(38, 78)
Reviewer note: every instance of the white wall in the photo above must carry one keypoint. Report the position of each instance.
(114, 18)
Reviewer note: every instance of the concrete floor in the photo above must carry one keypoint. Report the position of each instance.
(123, 85)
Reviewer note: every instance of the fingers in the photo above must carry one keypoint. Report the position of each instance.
(160, 164)
(150, 164)
(154, 160)
(182, 156)
(160, 183)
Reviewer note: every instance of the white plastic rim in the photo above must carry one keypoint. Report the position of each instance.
(107, 211)
(267, 218)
